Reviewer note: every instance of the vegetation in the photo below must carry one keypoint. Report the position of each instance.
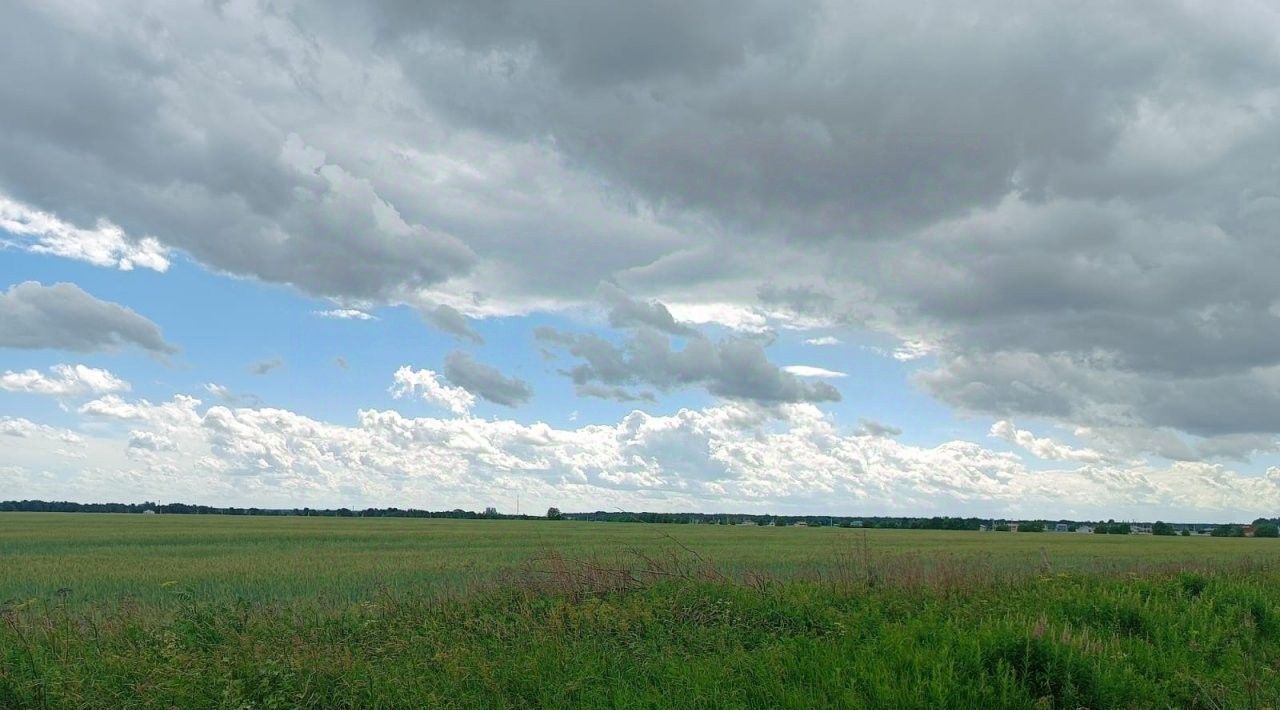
(616, 516)
(216, 611)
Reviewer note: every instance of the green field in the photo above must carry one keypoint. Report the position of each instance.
(236, 612)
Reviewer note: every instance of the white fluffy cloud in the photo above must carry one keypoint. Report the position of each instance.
(63, 380)
(812, 371)
(426, 385)
(731, 456)
(346, 314)
(104, 245)
(25, 428)
(1042, 447)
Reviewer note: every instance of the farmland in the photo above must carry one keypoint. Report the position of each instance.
(218, 611)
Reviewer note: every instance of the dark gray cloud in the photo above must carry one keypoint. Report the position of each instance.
(837, 118)
(736, 367)
(485, 381)
(1225, 413)
(595, 47)
(205, 168)
(64, 317)
(450, 320)
(627, 312)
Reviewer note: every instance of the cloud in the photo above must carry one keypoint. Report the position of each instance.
(1018, 196)
(63, 380)
(104, 245)
(64, 317)
(735, 368)
(485, 381)
(871, 427)
(346, 314)
(150, 441)
(617, 394)
(240, 193)
(20, 428)
(626, 312)
(812, 371)
(426, 385)
(822, 341)
(262, 367)
(178, 413)
(1042, 447)
(792, 458)
(224, 394)
(450, 320)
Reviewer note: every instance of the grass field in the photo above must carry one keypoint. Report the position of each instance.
(213, 611)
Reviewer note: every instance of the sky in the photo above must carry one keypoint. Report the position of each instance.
(872, 258)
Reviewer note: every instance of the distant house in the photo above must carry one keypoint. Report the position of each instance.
(1249, 530)
(1084, 528)
(1013, 527)
(748, 523)
(984, 528)
(802, 524)
(1140, 528)
(150, 511)
(1061, 527)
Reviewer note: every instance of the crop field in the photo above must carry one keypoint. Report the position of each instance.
(261, 612)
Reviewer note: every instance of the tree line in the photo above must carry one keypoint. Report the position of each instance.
(1262, 527)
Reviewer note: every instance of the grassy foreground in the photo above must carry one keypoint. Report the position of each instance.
(133, 611)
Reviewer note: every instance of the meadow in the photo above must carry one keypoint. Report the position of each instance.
(259, 612)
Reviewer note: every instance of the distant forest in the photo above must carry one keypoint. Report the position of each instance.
(905, 523)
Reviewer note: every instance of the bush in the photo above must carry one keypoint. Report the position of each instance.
(1162, 528)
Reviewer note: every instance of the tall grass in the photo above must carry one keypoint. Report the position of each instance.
(862, 621)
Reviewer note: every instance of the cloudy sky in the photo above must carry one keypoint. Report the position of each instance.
(816, 257)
